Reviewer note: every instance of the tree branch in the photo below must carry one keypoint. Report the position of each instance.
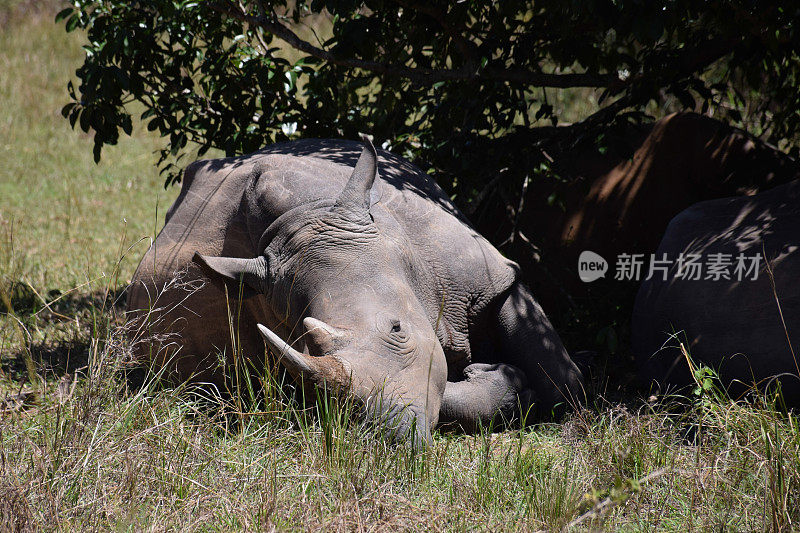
(464, 45)
(418, 75)
(691, 60)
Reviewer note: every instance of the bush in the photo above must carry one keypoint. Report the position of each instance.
(468, 88)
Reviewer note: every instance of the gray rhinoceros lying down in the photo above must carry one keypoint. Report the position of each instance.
(734, 325)
(365, 268)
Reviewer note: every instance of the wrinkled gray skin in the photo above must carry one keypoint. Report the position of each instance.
(368, 282)
(733, 326)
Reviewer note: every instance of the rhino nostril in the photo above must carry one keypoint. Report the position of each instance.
(395, 326)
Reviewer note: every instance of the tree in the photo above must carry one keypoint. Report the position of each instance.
(466, 88)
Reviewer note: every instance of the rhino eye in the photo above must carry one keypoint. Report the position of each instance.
(396, 326)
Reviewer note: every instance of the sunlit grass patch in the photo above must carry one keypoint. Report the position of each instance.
(68, 214)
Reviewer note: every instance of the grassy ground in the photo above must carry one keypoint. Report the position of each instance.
(79, 451)
(69, 229)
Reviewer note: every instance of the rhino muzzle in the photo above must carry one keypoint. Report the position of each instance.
(399, 422)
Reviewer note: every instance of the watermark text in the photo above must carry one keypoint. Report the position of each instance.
(692, 267)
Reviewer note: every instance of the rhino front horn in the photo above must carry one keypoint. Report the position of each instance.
(355, 195)
(317, 370)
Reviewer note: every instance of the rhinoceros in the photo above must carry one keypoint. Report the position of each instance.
(622, 200)
(739, 311)
(360, 275)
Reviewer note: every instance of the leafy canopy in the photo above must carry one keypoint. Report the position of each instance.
(468, 88)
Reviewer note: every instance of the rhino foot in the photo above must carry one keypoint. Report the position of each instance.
(490, 394)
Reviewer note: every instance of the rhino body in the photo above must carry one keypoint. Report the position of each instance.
(743, 328)
(621, 201)
(374, 283)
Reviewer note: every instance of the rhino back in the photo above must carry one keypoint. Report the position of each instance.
(178, 320)
(731, 324)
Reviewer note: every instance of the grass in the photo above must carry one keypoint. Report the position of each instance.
(69, 229)
(79, 450)
(68, 214)
(101, 456)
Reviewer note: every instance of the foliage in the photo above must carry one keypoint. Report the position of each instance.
(467, 88)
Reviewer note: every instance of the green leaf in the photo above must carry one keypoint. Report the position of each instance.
(85, 121)
(73, 117)
(98, 146)
(72, 23)
(64, 13)
(65, 111)
(126, 125)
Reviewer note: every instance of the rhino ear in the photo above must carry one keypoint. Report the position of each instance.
(355, 195)
(248, 274)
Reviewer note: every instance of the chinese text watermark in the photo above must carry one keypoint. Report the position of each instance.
(635, 267)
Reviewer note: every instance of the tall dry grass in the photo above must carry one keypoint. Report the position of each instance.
(90, 452)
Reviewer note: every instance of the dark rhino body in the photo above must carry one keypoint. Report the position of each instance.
(734, 326)
(621, 201)
(412, 253)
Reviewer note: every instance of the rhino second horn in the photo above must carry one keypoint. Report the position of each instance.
(355, 195)
(321, 337)
(317, 370)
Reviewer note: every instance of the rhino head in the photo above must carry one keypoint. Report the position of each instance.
(364, 330)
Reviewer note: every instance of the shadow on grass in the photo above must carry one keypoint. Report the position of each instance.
(58, 335)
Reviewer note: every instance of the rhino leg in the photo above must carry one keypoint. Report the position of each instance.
(527, 340)
(489, 393)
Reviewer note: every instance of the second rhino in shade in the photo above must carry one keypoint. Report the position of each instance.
(737, 308)
(361, 275)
